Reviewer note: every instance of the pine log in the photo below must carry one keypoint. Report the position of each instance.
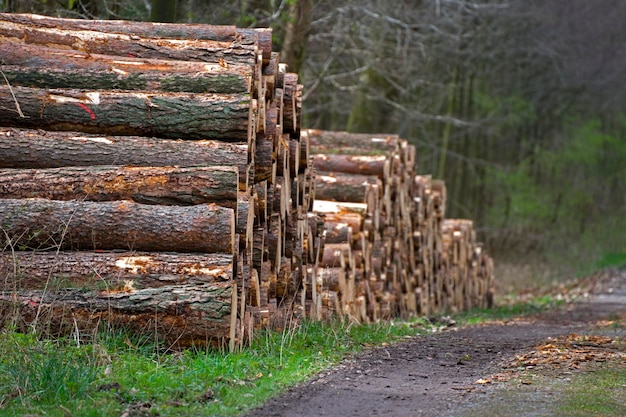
(336, 255)
(26, 148)
(342, 228)
(95, 42)
(110, 270)
(264, 166)
(260, 36)
(351, 164)
(346, 143)
(291, 117)
(168, 115)
(147, 185)
(343, 187)
(50, 224)
(184, 315)
(323, 206)
(38, 66)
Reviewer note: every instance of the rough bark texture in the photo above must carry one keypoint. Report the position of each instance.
(323, 141)
(350, 164)
(341, 187)
(49, 224)
(26, 148)
(261, 36)
(109, 271)
(36, 66)
(148, 185)
(197, 314)
(168, 115)
(95, 42)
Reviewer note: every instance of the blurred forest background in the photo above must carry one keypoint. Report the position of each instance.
(520, 105)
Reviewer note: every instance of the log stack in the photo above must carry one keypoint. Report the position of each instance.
(151, 175)
(156, 176)
(392, 251)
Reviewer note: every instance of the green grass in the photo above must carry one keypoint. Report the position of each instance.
(508, 311)
(59, 378)
(612, 260)
(597, 393)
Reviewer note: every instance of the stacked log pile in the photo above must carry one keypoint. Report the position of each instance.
(152, 175)
(389, 250)
(156, 176)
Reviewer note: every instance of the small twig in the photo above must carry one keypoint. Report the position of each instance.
(17, 105)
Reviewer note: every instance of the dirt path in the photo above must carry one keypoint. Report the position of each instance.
(436, 375)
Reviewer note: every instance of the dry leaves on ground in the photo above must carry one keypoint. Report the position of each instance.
(564, 353)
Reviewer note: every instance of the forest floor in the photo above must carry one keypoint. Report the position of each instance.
(522, 367)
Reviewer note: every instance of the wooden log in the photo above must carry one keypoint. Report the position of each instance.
(336, 255)
(343, 187)
(37, 66)
(341, 228)
(264, 166)
(110, 271)
(290, 119)
(147, 185)
(245, 222)
(331, 278)
(96, 42)
(224, 33)
(323, 206)
(26, 148)
(347, 143)
(168, 115)
(40, 224)
(183, 315)
(351, 164)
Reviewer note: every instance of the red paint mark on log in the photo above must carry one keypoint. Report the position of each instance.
(88, 110)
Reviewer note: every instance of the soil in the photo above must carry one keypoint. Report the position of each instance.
(451, 372)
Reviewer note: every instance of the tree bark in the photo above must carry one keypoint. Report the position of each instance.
(147, 185)
(168, 115)
(260, 36)
(296, 34)
(351, 164)
(95, 42)
(184, 315)
(110, 270)
(341, 228)
(342, 187)
(39, 66)
(50, 224)
(25, 148)
(163, 11)
(324, 141)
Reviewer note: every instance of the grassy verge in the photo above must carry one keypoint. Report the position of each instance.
(508, 311)
(598, 393)
(116, 374)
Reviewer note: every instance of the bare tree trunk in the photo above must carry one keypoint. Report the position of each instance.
(296, 34)
(163, 10)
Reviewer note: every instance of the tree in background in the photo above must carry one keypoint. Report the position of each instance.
(163, 11)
